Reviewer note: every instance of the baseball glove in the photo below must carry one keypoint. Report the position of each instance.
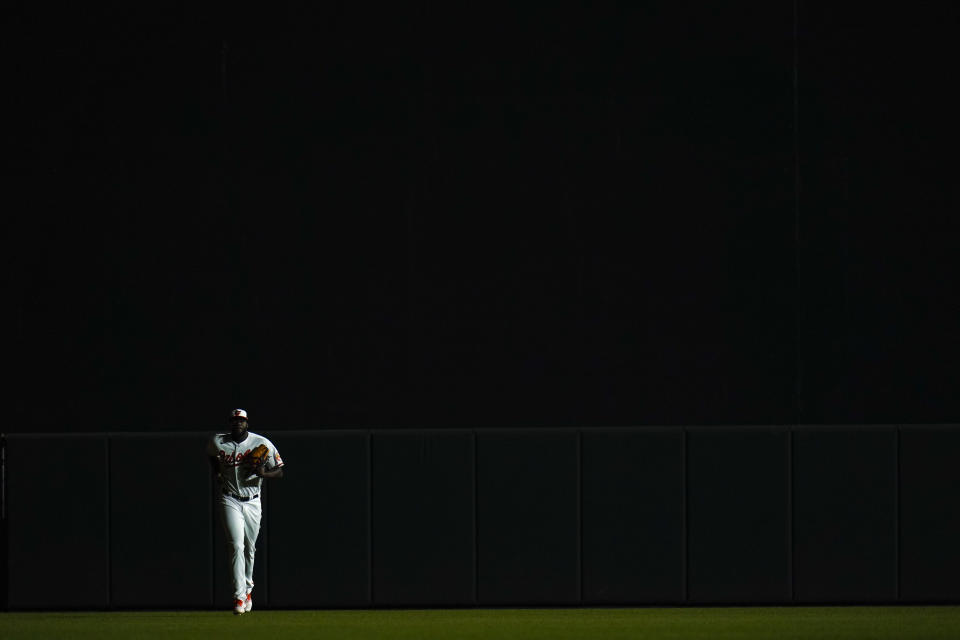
(258, 456)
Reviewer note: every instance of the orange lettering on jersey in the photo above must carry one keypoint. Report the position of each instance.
(229, 460)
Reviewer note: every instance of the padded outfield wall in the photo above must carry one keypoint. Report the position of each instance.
(370, 518)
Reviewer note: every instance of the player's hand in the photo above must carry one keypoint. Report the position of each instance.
(257, 459)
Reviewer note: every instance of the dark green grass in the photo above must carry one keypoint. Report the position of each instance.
(780, 623)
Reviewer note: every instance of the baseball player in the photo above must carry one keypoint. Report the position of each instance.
(240, 460)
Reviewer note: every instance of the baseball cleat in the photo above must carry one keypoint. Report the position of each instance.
(248, 603)
(239, 607)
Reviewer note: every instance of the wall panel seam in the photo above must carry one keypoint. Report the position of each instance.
(109, 462)
(790, 534)
(685, 556)
(211, 535)
(370, 559)
(580, 516)
(476, 525)
(896, 507)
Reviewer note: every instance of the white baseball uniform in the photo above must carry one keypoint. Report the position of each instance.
(239, 490)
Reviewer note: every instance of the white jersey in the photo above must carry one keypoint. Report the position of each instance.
(235, 475)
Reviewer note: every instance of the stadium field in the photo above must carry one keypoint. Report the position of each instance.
(782, 623)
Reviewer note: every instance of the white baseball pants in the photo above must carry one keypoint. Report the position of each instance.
(241, 524)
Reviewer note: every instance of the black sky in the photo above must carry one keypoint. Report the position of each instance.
(490, 215)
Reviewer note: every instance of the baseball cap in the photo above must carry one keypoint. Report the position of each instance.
(238, 413)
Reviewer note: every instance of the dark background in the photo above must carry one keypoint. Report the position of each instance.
(418, 215)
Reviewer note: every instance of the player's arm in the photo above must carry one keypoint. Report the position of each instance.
(263, 472)
(212, 457)
(276, 471)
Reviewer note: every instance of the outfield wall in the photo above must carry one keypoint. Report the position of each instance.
(671, 515)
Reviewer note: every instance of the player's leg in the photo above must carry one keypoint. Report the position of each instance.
(234, 529)
(252, 514)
